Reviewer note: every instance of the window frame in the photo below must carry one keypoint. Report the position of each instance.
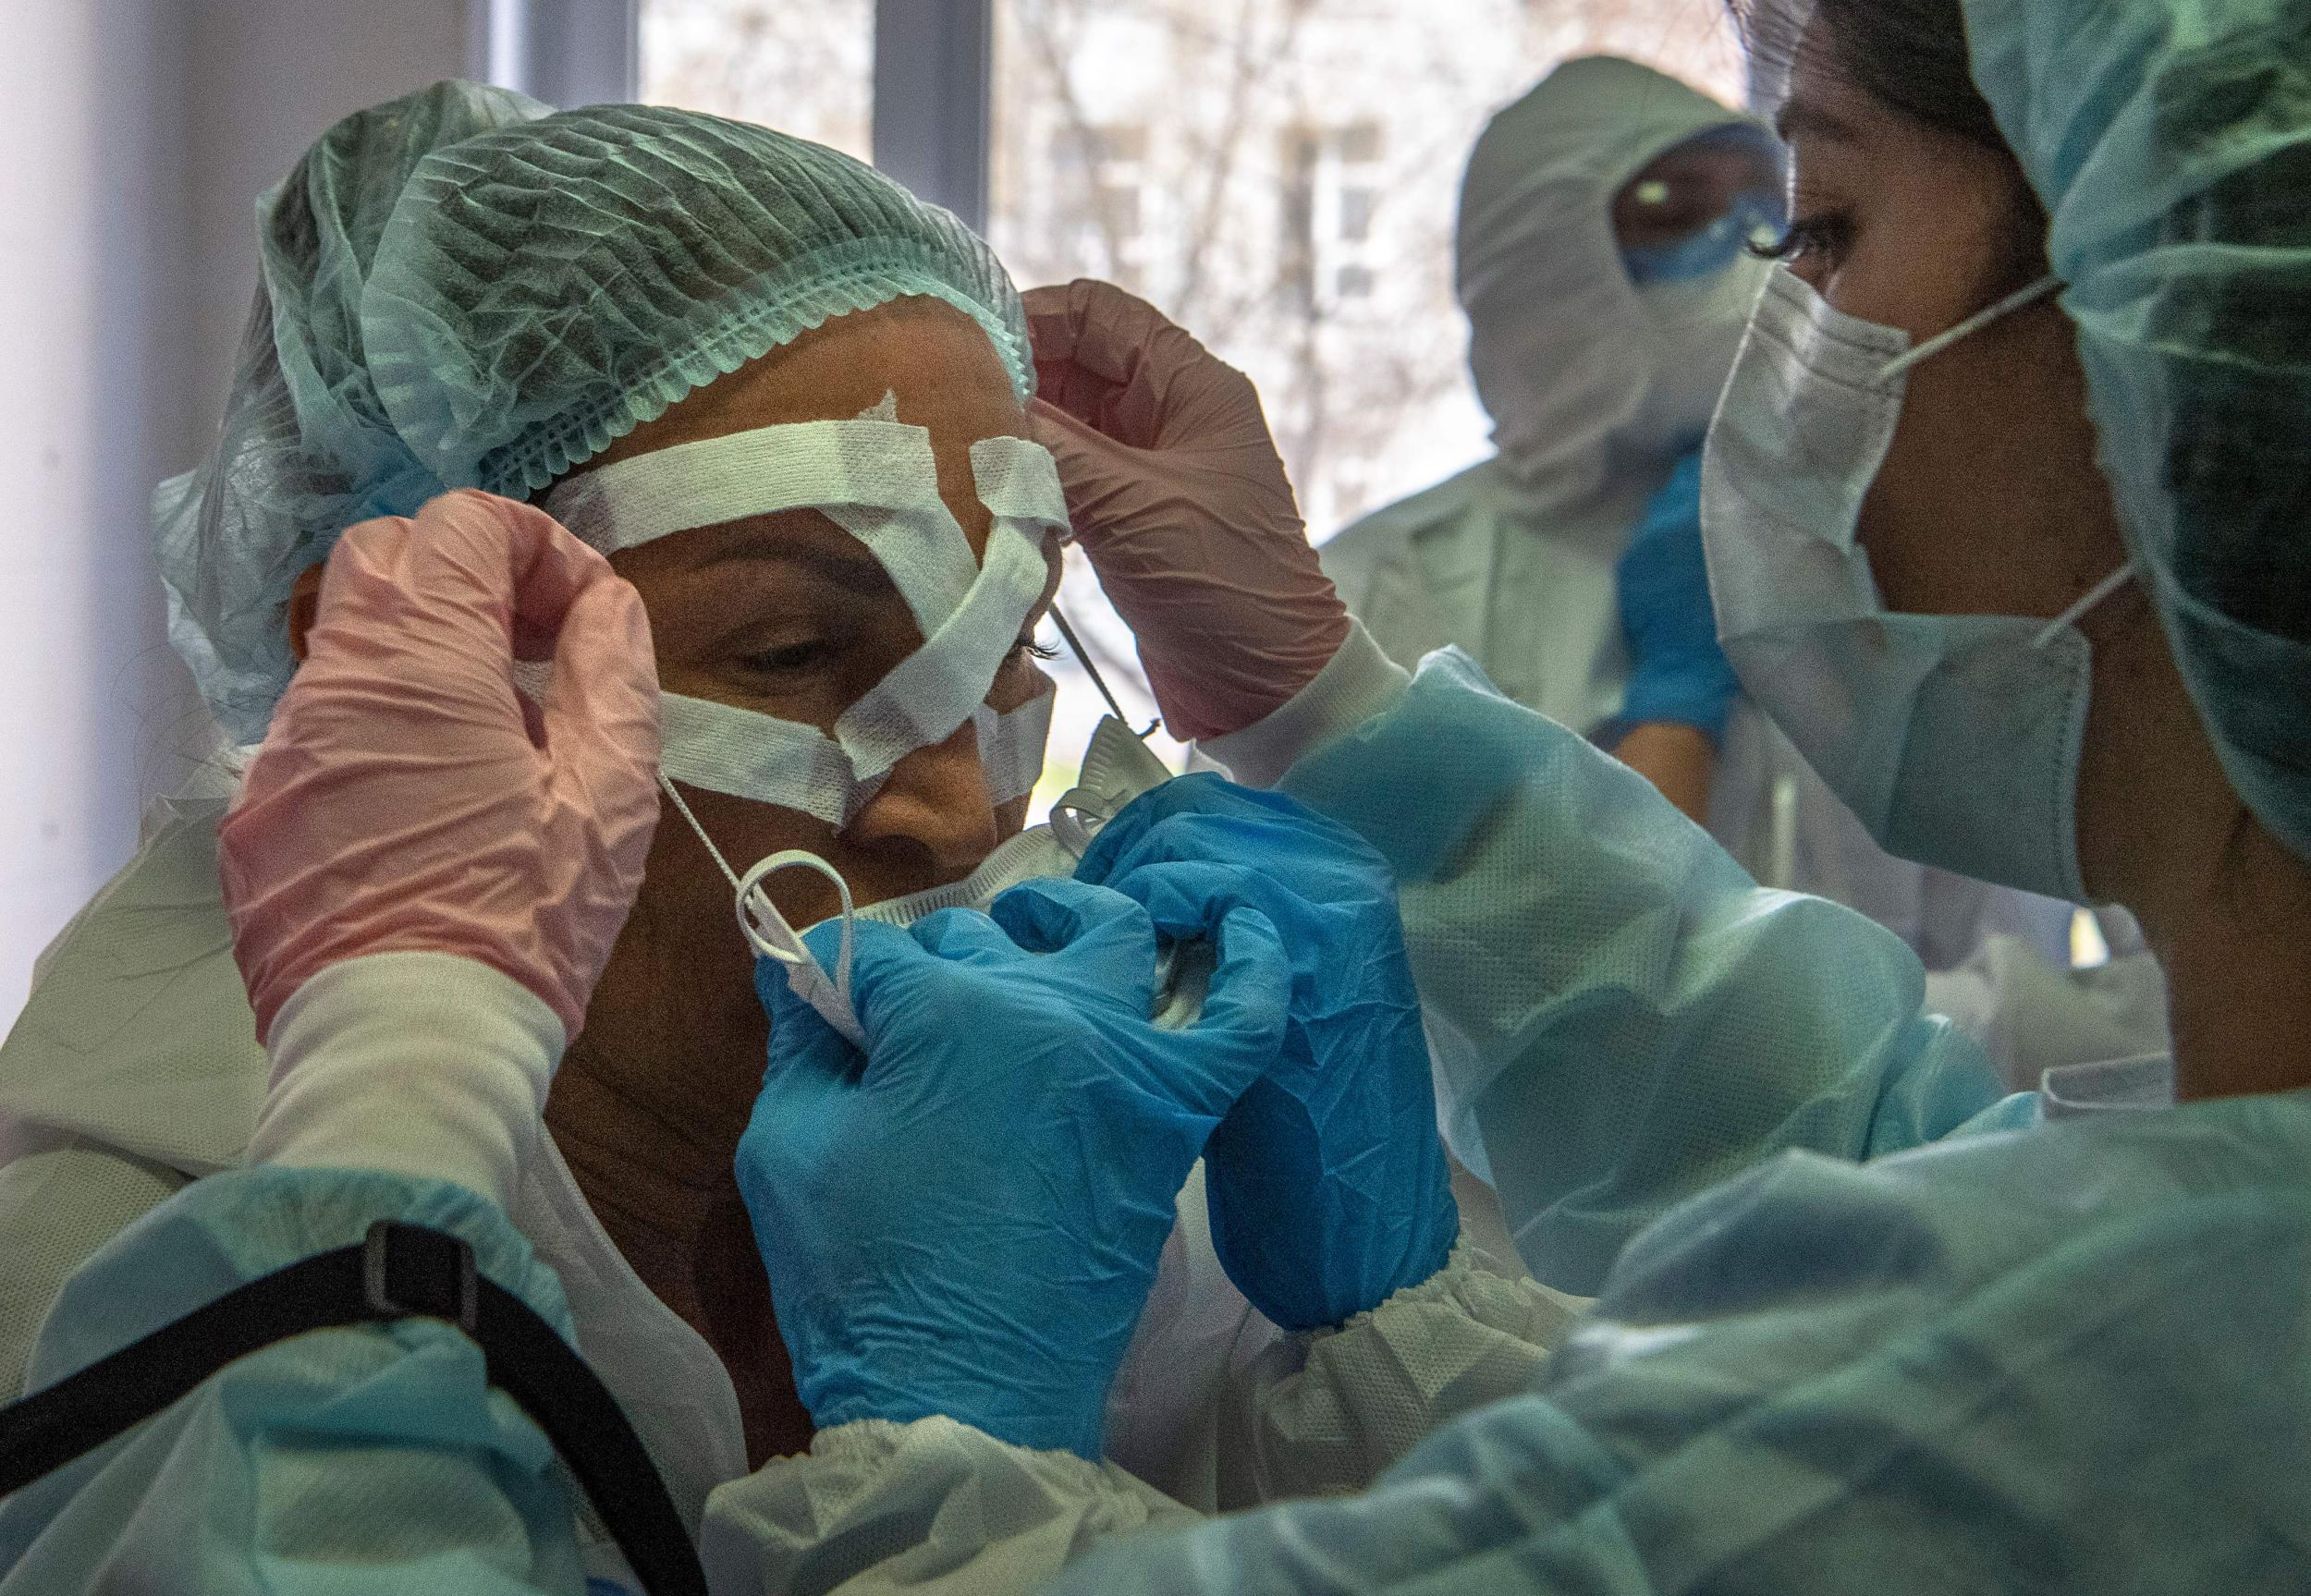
(929, 102)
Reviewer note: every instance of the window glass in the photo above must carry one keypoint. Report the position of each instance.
(1279, 176)
(803, 68)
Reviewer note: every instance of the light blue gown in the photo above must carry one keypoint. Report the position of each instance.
(2075, 1357)
(315, 1465)
(1622, 1017)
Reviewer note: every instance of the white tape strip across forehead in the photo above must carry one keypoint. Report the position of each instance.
(876, 480)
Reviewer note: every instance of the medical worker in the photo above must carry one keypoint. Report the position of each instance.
(1605, 259)
(2003, 512)
(840, 540)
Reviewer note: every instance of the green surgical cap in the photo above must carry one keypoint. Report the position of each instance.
(2170, 141)
(460, 289)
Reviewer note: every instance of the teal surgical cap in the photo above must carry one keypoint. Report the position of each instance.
(2170, 141)
(462, 289)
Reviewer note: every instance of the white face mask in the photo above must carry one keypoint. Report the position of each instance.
(1954, 739)
(1697, 325)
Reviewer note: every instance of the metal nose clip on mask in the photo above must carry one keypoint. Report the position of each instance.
(1954, 739)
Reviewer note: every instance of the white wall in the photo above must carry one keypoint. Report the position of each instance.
(134, 138)
(261, 80)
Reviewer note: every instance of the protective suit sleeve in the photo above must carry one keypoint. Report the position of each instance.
(1328, 1411)
(1619, 1017)
(930, 1506)
(938, 1507)
(427, 1064)
(1942, 1368)
(343, 1460)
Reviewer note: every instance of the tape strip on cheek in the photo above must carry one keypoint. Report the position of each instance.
(747, 754)
(1011, 747)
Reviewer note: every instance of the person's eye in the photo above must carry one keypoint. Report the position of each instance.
(1824, 234)
(789, 660)
(1027, 648)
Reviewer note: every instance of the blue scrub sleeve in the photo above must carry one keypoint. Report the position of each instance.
(1620, 1017)
(347, 1461)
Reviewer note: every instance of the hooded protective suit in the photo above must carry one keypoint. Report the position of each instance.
(1595, 390)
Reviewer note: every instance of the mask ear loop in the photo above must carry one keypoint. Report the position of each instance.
(768, 933)
(1083, 658)
(1073, 831)
(2086, 601)
(1972, 324)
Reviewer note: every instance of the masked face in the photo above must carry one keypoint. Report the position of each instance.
(1689, 227)
(1954, 739)
(1600, 262)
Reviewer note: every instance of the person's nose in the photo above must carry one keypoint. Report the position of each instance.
(937, 801)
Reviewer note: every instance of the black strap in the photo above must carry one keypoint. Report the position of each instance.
(401, 1270)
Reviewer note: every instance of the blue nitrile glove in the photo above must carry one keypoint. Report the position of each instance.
(1327, 1182)
(967, 1220)
(1676, 672)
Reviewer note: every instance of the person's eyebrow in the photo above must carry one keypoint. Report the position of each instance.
(854, 568)
(1803, 120)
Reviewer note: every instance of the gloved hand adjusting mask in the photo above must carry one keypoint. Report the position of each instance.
(877, 479)
(1954, 739)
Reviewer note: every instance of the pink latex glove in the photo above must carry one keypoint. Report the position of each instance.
(405, 799)
(1179, 500)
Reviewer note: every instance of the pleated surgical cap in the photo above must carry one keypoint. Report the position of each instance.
(463, 290)
(2171, 146)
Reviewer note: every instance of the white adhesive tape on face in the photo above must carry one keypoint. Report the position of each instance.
(876, 480)
(1017, 479)
(1011, 747)
(742, 752)
(933, 690)
(879, 479)
(747, 754)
